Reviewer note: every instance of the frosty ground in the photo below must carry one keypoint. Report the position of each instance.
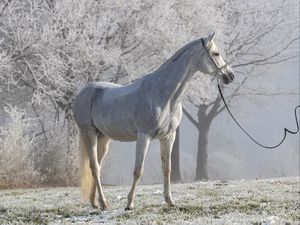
(274, 201)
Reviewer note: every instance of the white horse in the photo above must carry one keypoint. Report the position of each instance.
(149, 108)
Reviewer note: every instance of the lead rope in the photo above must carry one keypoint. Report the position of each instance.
(264, 146)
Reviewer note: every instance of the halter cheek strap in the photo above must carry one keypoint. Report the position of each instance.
(218, 69)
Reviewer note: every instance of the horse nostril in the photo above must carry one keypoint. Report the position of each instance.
(231, 75)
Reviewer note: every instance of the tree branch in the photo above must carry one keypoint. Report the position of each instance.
(132, 48)
(214, 109)
(252, 39)
(277, 61)
(266, 94)
(189, 116)
(5, 6)
(40, 121)
(260, 61)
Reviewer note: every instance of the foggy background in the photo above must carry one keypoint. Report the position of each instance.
(50, 49)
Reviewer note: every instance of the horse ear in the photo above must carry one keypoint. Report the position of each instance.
(210, 38)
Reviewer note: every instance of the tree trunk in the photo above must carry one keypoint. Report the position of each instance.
(205, 117)
(201, 169)
(175, 173)
(203, 128)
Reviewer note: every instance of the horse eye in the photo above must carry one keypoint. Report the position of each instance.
(216, 53)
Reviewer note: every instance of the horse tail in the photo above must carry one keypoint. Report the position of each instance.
(85, 172)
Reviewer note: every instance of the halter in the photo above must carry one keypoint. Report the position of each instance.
(218, 69)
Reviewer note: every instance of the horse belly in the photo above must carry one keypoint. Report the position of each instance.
(117, 125)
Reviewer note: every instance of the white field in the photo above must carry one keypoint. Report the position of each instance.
(273, 201)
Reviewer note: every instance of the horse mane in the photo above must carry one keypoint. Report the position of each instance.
(179, 53)
(182, 50)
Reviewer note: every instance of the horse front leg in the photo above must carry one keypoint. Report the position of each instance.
(142, 144)
(166, 145)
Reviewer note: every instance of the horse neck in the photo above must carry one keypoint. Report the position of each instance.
(172, 77)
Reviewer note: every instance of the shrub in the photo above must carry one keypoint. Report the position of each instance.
(57, 158)
(16, 152)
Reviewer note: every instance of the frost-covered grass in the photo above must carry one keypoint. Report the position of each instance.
(273, 201)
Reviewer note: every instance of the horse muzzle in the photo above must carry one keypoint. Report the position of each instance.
(227, 75)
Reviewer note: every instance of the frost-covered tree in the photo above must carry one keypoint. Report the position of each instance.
(54, 47)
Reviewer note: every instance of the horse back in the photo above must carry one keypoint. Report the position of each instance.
(83, 103)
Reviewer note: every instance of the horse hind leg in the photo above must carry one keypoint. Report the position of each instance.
(90, 139)
(93, 195)
(102, 149)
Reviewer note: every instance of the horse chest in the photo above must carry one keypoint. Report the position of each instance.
(165, 120)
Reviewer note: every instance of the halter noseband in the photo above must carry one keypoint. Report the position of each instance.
(218, 69)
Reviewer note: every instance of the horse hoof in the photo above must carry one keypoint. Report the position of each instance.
(171, 204)
(129, 208)
(95, 206)
(104, 206)
(169, 201)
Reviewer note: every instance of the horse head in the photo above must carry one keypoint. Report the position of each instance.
(211, 61)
